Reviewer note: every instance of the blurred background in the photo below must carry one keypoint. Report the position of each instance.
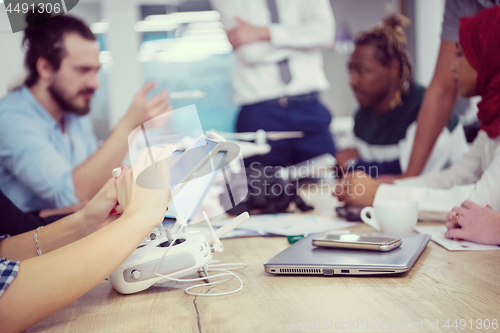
(180, 44)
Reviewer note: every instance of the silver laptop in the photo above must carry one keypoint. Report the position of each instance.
(305, 258)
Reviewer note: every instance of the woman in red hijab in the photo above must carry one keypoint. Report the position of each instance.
(477, 71)
(475, 180)
(480, 44)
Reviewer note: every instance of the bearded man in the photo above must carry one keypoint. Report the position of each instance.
(48, 151)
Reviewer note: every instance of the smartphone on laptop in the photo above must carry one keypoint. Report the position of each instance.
(353, 241)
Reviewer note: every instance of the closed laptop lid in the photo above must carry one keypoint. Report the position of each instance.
(305, 258)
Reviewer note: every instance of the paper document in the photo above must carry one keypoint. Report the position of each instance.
(437, 235)
(289, 224)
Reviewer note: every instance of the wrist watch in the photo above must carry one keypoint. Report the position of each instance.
(350, 163)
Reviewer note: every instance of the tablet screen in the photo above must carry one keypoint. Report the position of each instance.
(189, 160)
(190, 197)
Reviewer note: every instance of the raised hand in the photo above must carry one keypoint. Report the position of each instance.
(142, 109)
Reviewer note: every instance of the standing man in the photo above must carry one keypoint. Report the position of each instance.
(441, 95)
(48, 155)
(278, 72)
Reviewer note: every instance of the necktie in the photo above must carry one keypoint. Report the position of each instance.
(284, 67)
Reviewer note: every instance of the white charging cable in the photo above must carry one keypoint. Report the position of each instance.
(226, 272)
(210, 268)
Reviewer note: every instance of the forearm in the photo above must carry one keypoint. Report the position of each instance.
(318, 34)
(51, 237)
(98, 166)
(44, 213)
(262, 52)
(344, 155)
(436, 109)
(46, 284)
(433, 116)
(429, 199)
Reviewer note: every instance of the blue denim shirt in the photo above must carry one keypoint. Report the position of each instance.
(36, 157)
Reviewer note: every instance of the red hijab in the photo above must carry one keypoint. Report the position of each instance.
(480, 40)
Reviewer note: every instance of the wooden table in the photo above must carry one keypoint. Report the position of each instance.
(441, 286)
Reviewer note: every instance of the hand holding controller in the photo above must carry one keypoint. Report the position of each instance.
(189, 253)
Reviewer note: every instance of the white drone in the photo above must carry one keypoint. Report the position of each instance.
(259, 146)
(260, 138)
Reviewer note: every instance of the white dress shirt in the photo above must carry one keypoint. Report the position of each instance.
(305, 26)
(475, 178)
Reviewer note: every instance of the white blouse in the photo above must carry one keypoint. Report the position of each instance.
(475, 178)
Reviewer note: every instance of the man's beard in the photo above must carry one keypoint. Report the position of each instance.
(65, 102)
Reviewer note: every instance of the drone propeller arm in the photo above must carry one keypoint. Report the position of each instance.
(213, 238)
(228, 227)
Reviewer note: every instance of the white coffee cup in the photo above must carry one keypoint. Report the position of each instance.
(392, 216)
